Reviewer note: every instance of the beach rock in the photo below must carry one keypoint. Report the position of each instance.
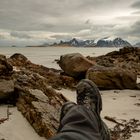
(74, 64)
(42, 110)
(18, 59)
(5, 66)
(112, 77)
(127, 50)
(53, 77)
(29, 79)
(6, 89)
(39, 103)
(126, 58)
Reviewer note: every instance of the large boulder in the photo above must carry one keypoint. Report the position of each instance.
(112, 77)
(5, 66)
(74, 64)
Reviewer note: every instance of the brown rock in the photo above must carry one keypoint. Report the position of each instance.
(53, 76)
(39, 103)
(18, 59)
(5, 67)
(128, 58)
(6, 89)
(112, 77)
(41, 110)
(74, 64)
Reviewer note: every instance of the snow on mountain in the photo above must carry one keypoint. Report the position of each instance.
(78, 43)
(109, 42)
(118, 42)
(104, 42)
(74, 42)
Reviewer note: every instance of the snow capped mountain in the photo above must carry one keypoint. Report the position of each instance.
(89, 43)
(74, 42)
(117, 42)
(78, 43)
(104, 42)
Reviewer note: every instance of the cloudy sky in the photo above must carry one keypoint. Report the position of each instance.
(38, 21)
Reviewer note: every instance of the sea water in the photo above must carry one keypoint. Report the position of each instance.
(46, 55)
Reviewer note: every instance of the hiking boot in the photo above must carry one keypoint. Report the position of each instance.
(88, 95)
(65, 108)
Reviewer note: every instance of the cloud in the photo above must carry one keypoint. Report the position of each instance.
(4, 35)
(62, 19)
(30, 34)
(23, 35)
(56, 15)
(19, 42)
(87, 21)
(136, 13)
(84, 32)
(135, 29)
(23, 38)
(58, 37)
(136, 5)
(131, 33)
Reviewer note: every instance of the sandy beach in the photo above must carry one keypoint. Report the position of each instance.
(16, 127)
(121, 104)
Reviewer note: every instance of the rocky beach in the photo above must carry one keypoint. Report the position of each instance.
(39, 92)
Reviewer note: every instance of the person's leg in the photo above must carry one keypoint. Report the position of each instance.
(64, 110)
(83, 121)
(79, 123)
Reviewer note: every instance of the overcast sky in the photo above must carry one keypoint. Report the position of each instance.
(38, 21)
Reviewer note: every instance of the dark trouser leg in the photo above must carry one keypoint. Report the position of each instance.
(79, 124)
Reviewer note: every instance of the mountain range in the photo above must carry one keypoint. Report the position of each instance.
(76, 43)
(105, 42)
